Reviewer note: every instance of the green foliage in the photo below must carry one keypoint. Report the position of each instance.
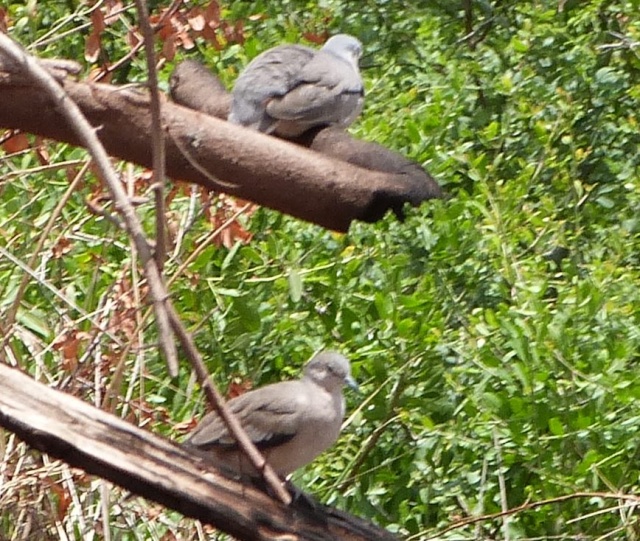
(495, 334)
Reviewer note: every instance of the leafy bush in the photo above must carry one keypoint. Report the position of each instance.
(496, 334)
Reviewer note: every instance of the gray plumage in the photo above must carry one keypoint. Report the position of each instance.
(292, 88)
(290, 422)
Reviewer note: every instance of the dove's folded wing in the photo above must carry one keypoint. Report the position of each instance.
(270, 415)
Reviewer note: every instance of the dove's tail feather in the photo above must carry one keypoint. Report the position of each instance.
(256, 120)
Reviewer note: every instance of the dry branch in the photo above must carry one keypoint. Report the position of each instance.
(260, 168)
(102, 444)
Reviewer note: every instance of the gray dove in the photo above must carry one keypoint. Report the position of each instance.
(290, 422)
(292, 88)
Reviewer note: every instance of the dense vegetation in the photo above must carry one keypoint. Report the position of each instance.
(496, 334)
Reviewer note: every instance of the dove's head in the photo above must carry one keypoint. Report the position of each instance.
(330, 370)
(344, 46)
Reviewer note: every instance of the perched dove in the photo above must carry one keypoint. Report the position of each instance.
(291, 88)
(290, 422)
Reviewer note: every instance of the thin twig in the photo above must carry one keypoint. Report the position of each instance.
(157, 134)
(207, 241)
(503, 486)
(39, 169)
(202, 170)
(187, 221)
(372, 441)
(528, 506)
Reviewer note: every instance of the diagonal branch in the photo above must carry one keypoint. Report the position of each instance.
(163, 309)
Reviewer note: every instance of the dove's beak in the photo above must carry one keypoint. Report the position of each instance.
(352, 383)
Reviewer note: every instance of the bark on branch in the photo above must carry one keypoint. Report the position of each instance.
(199, 148)
(158, 469)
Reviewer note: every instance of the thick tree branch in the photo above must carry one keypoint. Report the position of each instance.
(147, 465)
(263, 169)
(194, 86)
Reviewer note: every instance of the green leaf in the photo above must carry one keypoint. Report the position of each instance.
(556, 427)
(295, 285)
